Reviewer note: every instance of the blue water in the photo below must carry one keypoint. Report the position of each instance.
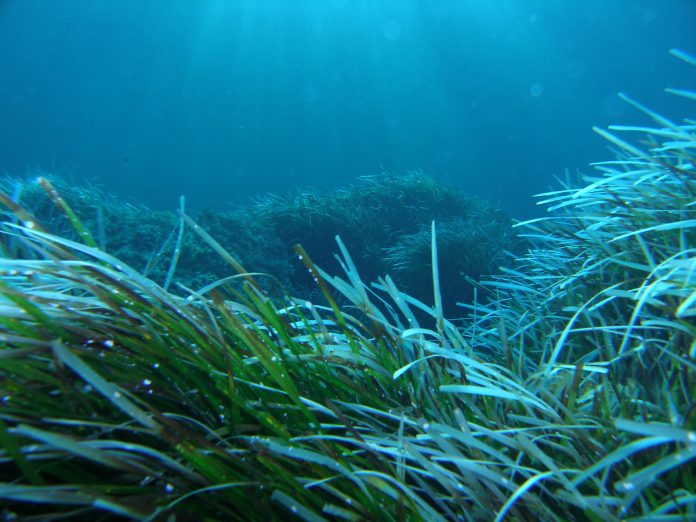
(221, 100)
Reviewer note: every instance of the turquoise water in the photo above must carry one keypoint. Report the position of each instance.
(222, 100)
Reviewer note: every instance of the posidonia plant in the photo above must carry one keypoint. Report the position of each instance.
(568, 395)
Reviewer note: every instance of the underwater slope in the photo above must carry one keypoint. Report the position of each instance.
(570, 395)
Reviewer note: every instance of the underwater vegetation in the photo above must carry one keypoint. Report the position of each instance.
(384, 221)
(569, 393)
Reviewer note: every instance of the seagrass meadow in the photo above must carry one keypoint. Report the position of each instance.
(384, 221)
(568, 392)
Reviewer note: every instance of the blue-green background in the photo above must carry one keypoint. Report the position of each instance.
(224, 99)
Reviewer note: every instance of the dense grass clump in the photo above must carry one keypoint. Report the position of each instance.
(384, 221)
(569, 396)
